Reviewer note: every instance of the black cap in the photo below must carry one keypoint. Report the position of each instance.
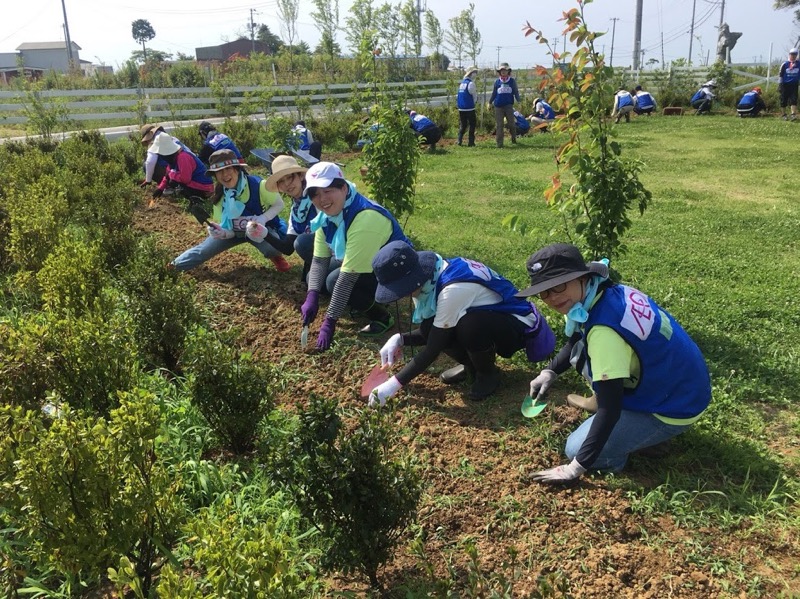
(555, 264)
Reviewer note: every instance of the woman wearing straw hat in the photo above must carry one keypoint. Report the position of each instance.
(288, 178)
(649, 379)
(350, 228)
(504, 93)
(246, 213)
(154, 167)
(466, 100)
(464, 309)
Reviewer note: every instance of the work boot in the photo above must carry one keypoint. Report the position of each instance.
(464, 371)
(487, 377)
(584, 403)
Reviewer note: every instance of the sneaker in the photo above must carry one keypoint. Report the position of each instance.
(281, 265)
(376, 328)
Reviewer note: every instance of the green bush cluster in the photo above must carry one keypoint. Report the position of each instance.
(351, 486)
(231, 390)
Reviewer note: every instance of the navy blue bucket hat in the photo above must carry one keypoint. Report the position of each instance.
(400, 271)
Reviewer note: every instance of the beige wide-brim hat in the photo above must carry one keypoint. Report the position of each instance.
(502, 66)
(148, 132)
(470, 70)
(282, 166)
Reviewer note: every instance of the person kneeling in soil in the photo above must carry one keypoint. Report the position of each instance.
(184, 171)
(350, 228)
(465, 310)
(428, 131)
(246, 212)
(649, 378)
(751, 104)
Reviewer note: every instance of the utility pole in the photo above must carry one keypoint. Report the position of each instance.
(691, 32)
(498, 56)
(637, 35)
(613, 33)
(70, 58)
(662, 51)
(252, 30)
(721, 12)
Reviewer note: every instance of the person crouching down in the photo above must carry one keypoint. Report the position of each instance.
(751, 104)
(465, 310)
(246, 213)
(350, 228)
(650, 380)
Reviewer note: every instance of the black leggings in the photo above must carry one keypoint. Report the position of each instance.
(479, 330)
(467, 119)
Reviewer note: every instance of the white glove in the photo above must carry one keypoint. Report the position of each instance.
(543, 382)
(256, 232)
(384, 391)
(218, 232)
(559, 474)
(392, 350)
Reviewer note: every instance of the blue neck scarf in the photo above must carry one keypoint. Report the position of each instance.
(339, 241)
(579, 313)
(300, 209)
(231, 207)
(425, 302)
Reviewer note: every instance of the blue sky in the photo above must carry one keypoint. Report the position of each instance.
(103, 27)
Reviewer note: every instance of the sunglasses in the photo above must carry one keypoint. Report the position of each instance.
(555, 289)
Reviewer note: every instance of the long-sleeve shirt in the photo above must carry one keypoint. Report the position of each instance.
(183, 174)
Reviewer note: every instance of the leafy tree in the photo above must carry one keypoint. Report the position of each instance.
(581, 88)
(473, 43)
(783, 4)
(412, 29)
(328, 47)
(455, 38)
(152, 57)
(434, 36)
(359, 24)
(288, 11)
(388, 25)
(142, 32)
(326, 17)
(266, 36)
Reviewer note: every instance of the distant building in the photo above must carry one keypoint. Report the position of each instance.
(9, 68)
(238, 49)
(48, 56)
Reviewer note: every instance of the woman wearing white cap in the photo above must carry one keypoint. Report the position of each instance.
(649, 378)
(350, 228)
(464, 309)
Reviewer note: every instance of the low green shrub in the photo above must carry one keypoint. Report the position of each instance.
(352, 486)
(72, 276)
(236, 557)
(83, 490)
(26, 363)
(160, 302)
(232, 391)
(37, 215)
(244, 133)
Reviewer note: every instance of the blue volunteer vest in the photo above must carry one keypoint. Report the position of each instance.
(163, 163)
(462, 270)
(420, 123)
(301, 220)
(547, 111)
(504, 92)
(302, 138)
(199, 175)
(359, 204)
(523, 126)
(220, 141)
(748, 100)
(674, 379)
(645, 100)
(464, 99)
(253, 206)
(791, 74)
(625, 100)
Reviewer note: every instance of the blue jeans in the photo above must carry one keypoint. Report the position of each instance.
(633, 431)
(304, 246)
(210, 247)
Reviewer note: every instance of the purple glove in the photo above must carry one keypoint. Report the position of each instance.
(325, 338)
(310, 307)
(539, 341)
